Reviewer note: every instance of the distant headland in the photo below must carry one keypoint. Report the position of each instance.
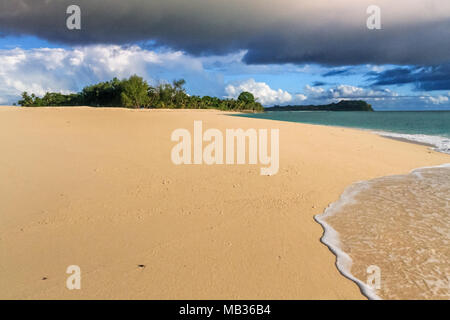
(344, 105)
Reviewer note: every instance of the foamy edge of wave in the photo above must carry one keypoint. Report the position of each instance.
(441, 144)
(330, 237)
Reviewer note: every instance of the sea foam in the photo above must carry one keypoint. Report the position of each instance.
(399, 223)
(441, 144)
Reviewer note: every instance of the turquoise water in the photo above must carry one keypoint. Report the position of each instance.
(398, 224)
(431, 127)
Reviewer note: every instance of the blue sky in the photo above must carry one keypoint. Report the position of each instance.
(279, 59)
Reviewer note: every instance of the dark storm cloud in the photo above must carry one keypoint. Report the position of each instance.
(318, 84)
(283, 31)
(423, 78)
(332, 73)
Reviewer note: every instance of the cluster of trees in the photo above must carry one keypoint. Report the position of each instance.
(135, 92)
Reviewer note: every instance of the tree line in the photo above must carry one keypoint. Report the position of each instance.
(135, 92)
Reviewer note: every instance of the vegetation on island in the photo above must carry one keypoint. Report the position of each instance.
(135, 92)
(344, 105)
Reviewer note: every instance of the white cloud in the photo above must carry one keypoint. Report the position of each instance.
(68, 70)
(300, 97)
(261, 91)
(342, 92)
(441, 99)
(376, 68)
(315, 91)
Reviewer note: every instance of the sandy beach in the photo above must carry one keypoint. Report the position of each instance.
(97, 188)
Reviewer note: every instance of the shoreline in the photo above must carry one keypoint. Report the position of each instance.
(199, 236)
(410, 141)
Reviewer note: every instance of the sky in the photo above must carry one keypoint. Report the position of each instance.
(284, 51)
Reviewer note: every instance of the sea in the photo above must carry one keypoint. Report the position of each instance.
(391, 235)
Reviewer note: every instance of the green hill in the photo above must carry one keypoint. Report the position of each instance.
(344, 105)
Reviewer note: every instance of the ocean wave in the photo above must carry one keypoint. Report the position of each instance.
(441, 144)
(331, 238)
(400, 222)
